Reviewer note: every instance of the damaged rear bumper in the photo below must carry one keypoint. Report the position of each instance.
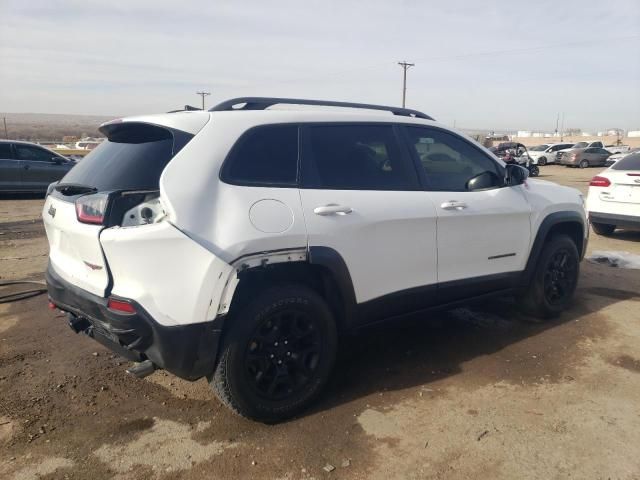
(188, 351)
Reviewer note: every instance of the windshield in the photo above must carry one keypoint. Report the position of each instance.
(580, 145)
(539, 148)
(630, 162)
(132, 158)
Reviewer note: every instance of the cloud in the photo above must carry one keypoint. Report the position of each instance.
(499, 64)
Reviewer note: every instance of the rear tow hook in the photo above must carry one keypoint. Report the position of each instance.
(142, 369)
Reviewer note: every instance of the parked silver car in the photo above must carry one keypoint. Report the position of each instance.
(585, 157)
(27, 167)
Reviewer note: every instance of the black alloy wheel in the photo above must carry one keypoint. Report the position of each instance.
(560, 277)
(283, 353)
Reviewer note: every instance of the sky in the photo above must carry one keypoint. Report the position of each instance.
(478, 64)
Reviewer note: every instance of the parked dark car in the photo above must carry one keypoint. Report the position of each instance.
(585, 157)
(27, 167)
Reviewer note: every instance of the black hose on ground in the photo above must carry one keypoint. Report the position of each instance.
(14, 297)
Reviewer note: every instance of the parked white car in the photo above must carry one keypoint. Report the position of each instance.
(546, 153)
(614, 196)
(619, 156)
(239, 243)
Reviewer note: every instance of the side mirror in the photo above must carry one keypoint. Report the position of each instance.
(515, 175)
(482, 181)
(57, 160)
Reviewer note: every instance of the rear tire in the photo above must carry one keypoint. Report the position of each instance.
(534, 171)
(277, 355)
(554, 280)
(584, 163)
(603, 228)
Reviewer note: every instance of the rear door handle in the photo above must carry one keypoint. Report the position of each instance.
(332, 209)
(453, 205)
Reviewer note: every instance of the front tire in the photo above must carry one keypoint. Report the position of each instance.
(534, 171)
(603, 228)
(542, 161)
(554, 280)
(278, 354)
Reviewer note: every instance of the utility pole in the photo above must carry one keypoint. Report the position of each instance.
(557, 120)
(562, 129)
(6, 134)
(203, 94)
(405, 66)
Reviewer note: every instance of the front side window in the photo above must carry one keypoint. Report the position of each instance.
(539, 148)
(26, 152)
(356, 157)
(450, 162)
(266, 155)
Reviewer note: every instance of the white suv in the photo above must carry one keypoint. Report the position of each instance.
(239, 243)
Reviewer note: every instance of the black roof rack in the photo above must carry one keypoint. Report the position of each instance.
(262, 103)
(187, 108)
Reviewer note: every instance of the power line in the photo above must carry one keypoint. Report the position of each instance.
(405, 66)
(203, 94)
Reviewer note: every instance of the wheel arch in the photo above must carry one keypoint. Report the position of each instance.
(323, 270)
(569, 223)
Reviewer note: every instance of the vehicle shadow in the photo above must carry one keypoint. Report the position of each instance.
(628, 235)
(424, 349)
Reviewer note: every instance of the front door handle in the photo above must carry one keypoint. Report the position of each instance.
(332, 209)
(453, 205)
(26, 167)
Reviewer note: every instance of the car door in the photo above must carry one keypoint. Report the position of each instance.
(484, 229)
(603, 155)
(40, 167)
(10, 169)
(362, 200)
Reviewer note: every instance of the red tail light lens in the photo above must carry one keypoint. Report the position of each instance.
(120, 306)
(92, 208)
(599, 182)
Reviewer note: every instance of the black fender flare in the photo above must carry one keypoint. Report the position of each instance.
(542, 234)
(332, 260)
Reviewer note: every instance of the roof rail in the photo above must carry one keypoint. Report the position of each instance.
(262, 103)
(187, 108)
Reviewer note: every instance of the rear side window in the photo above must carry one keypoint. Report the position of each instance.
(5, 151)
(132, 158)
(356, 157)
(266, 155)
(630, 162)
(27, 152)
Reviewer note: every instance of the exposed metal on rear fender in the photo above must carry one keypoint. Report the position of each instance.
(246, 262)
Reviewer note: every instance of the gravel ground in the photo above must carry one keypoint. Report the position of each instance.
(475, 392)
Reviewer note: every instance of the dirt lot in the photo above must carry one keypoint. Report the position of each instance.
(473, 393)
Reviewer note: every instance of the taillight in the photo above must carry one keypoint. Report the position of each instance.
(599, 182)
(120, 306)
(92, 208)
